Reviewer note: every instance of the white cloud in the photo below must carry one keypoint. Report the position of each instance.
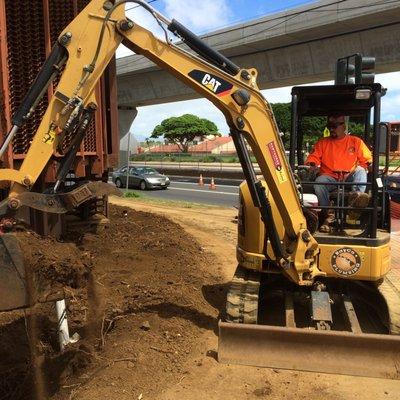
(390, 110)
(144, 19)
(391, 81)
(278, 95)
(283, 94)
(209, 15)
(199, 15)
(123, 51)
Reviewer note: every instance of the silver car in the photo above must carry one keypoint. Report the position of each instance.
(141, 177)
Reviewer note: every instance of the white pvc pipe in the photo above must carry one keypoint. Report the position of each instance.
(63, 332)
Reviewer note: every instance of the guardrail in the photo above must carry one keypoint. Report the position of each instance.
(194, 166)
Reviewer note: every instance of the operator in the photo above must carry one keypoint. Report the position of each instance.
(340, 157)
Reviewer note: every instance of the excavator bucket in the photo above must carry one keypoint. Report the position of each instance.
(13, 282)
(17, 288)
(63, 202)
(371, 355)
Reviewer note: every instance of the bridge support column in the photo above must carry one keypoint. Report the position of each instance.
(126, 116)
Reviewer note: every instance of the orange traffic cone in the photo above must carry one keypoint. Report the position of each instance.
(212, 185)
(201, 183)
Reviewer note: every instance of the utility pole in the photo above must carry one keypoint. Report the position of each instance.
(128, 152)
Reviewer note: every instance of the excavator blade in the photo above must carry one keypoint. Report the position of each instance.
(13, 290)
(370, 355)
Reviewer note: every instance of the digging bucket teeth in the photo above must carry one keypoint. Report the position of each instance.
(13, 291)
(347, 353)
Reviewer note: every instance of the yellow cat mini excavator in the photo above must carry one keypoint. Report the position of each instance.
(298, 300)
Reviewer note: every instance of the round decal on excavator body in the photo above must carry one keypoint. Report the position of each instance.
(346, 261)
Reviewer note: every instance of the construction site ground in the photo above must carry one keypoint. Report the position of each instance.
(148, 319)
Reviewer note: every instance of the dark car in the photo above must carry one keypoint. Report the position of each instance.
(393, 187)
(141, 177)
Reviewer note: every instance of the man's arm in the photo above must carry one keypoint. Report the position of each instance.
(364, 155)
(314, 158)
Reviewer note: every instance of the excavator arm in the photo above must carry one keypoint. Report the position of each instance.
(85, 48)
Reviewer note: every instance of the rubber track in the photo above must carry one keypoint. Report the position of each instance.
(242, 297)
(392, 298)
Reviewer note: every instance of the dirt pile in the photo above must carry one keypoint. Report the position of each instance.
(54, 265)
(142, 296)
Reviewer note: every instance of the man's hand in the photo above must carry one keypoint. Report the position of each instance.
(313, 168)
(312, 172)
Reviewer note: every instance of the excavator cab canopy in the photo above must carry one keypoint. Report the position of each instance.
(362, 104)
(351, 99)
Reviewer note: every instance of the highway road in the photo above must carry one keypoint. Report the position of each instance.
(188, 190)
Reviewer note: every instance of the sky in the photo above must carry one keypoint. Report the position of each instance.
(211, 15)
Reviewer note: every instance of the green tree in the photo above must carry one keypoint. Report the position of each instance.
(282, 117)
(357, 129)
(184, 129)
(312, 126)
(148, 143)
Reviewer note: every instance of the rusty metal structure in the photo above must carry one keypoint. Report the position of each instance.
(28, 31)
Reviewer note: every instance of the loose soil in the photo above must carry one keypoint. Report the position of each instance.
(53, 265)
(145, 294)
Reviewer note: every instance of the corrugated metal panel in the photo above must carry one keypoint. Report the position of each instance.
(28, 30)
(60, 13)
(26, 54)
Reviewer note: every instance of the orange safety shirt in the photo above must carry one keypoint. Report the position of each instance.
(343, 154)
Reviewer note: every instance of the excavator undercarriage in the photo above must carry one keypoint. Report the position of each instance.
(270, 322)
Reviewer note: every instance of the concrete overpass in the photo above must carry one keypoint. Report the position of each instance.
(288, 48)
